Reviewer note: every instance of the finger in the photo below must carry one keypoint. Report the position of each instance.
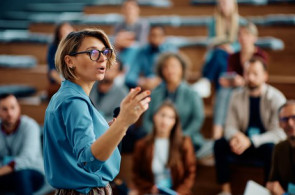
(142, 105)
(132, 94)
(142, 95)
(145, 103)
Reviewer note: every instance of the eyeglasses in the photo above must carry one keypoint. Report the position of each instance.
(94, 54)
(286, 119)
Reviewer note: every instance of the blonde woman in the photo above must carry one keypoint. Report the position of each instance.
(80, 148)
(223, 34)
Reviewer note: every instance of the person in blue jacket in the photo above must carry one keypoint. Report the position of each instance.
(80, 148)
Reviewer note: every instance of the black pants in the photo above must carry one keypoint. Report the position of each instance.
(252, 156)
(23, 182)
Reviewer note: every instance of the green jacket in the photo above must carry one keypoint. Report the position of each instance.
(189, 106)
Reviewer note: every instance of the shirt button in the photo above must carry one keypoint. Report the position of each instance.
(91, 159)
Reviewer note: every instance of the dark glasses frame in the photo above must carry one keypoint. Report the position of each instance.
(286, 119)
(89, 52)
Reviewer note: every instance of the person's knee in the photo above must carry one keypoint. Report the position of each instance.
(221, 145)
(267, 148)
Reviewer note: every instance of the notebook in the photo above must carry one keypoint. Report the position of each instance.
(253, 188)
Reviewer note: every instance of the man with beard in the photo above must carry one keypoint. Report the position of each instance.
(21, 162)
(252, 126)
(282, 175)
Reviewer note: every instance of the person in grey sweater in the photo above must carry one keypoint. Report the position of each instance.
(21, 162)
(106, 95)
(252, 126)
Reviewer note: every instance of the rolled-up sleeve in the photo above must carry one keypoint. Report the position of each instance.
(80, 133)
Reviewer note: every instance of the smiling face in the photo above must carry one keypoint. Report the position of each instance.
(164, 121)
(84, 68)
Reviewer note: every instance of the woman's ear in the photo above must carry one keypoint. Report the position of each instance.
(69, 61)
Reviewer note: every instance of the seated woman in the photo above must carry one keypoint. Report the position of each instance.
(169, 160)
(54, 78)
(171, 68)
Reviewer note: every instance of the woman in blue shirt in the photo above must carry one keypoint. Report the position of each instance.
(80, 148)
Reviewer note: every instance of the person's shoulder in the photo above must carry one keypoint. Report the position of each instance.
(274, 94)
(239, 93)
(158, 89)
(282, 146)
(120, 89)
(143, 142)
(28, 125)
(28, 120)
(186, 89)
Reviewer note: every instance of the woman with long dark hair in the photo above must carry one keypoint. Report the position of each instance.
(165, 158)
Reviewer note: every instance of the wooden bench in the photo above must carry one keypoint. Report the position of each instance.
(36, 77)
(187, 10)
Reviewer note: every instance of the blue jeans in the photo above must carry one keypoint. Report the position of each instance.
(221, 105)
(23, 182)
(215, 66)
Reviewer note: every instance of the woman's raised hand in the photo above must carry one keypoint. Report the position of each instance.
(133, 105)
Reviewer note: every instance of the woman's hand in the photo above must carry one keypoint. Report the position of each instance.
(133, 105)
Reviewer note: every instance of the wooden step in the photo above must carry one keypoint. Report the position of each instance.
(36, 77)
(38, 50)
(193, 10)
(36, 111)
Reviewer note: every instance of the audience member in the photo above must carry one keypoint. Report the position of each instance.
(106, 95)
(223, 31)
(169, 160)
(282, 175)
(142, 70)
(252, 127)
(61, 31)
(233, 78)
(131, 33)
(171, 69)
(21, 162)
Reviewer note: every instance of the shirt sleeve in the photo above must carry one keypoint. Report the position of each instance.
(193, 128)
(80, 133)
(30, 146)
(231, 124)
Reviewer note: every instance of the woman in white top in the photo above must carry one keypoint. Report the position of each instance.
(165, 158)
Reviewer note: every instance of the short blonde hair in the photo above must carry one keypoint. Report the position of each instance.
(250, 27)
(72, 43)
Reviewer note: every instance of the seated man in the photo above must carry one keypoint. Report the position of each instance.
(21, 162)
(282, 175)
(233, 77)
(142, 70)
(131, 33)
(251, 127)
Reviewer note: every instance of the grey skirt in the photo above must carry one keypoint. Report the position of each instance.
(107, 190)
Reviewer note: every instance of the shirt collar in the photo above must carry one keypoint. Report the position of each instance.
(76, 87)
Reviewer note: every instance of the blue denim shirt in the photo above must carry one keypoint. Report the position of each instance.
(71, 125)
